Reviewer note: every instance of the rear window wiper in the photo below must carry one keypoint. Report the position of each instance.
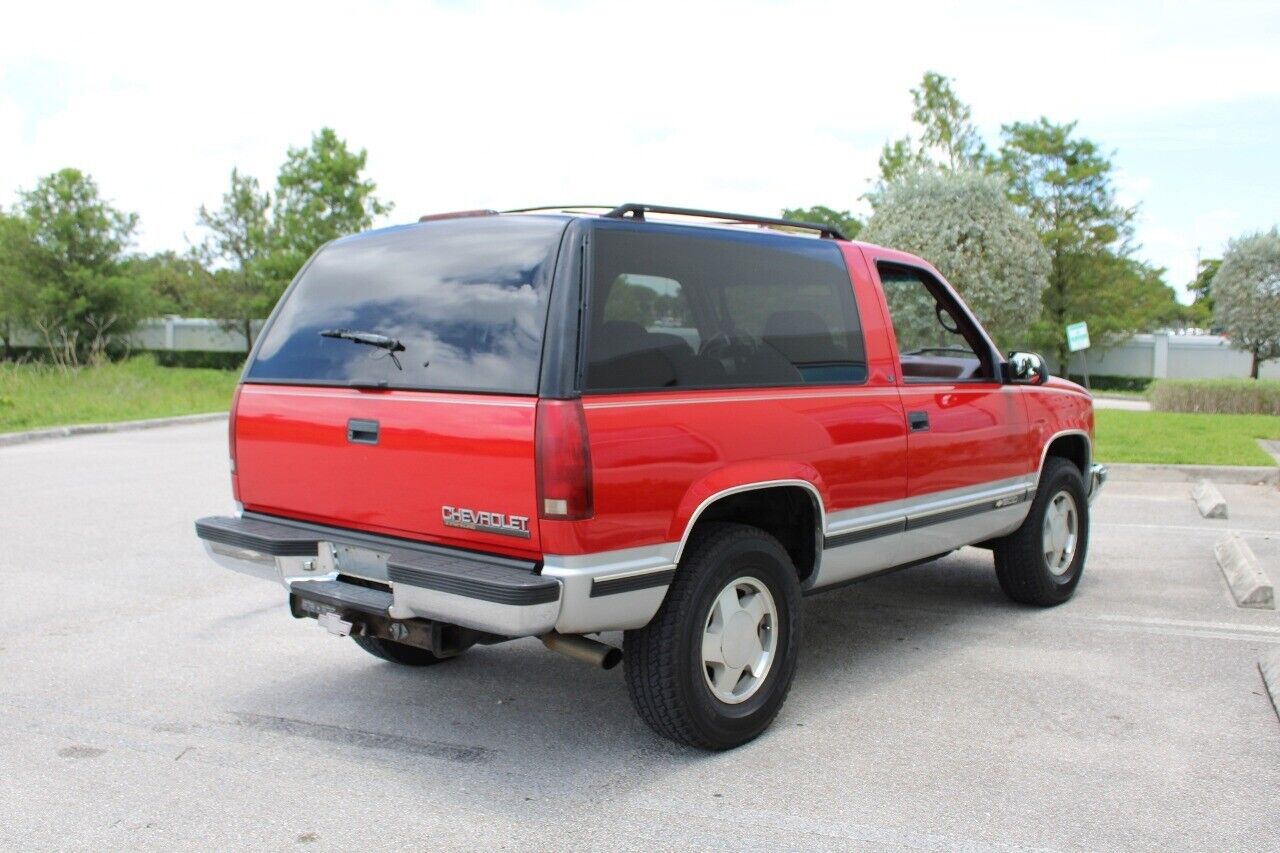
(391, 345)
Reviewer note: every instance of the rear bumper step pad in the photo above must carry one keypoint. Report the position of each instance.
(265, 537)
(497, 584)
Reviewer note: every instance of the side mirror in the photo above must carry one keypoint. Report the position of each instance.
(1026, 368)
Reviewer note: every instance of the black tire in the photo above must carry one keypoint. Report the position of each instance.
(1021, 566)
(663, 661)
(400, 653)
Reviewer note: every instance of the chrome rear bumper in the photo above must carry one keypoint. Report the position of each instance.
(614, 590)
(1097, 476)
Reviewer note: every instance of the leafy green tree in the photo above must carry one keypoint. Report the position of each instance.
(16, 283)
(1064, 184)
(1246, 295)
(947, 139)
(848, 224)
(1200, 312)
(239, 246)
(964, 225)
(82, 301)
(176, 282)
(320, 195)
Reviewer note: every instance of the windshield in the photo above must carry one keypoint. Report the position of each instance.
(465, 298)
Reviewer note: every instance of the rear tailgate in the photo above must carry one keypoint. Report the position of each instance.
(457, 469)
(394, 389)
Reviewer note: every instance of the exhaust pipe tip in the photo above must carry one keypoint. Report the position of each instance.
(585, 649)
(611, 658)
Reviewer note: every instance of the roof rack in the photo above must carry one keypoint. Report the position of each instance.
(457, 214)
(637, 211)
(560, 208)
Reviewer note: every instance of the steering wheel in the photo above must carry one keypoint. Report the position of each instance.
(724, 345)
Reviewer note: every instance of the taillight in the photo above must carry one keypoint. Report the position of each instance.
(231, 431)
(563, 460)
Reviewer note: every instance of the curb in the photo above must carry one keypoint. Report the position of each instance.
(1237, 474)
(12, 438)
(1209, 500)
(1249, 584)
(1269, 666)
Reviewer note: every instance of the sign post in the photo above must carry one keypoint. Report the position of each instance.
(1078, 341)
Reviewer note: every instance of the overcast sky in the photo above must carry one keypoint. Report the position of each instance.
(740, 106)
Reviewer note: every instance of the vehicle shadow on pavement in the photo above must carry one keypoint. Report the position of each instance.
(519, 706)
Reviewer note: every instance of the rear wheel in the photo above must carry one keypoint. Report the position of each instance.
(400, 653)
(1041, 562)
(713, 667)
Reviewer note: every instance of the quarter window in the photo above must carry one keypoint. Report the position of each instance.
(673, 308)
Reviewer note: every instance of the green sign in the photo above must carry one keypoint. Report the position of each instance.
(1077, 337)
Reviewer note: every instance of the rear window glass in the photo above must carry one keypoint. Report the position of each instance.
(466, 298)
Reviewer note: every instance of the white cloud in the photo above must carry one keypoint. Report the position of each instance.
(750, 106)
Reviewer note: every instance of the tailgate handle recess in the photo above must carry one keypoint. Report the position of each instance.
(362, 432)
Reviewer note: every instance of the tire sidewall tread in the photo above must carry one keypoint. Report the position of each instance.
(663, 659)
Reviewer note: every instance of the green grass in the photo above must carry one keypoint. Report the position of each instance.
(1178, 438)
(40, 395)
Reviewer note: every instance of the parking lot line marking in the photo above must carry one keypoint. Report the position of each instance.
(1187, 623)
(1196, 633)
(1216, 531)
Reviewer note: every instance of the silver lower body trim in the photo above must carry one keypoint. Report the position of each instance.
(613, 590)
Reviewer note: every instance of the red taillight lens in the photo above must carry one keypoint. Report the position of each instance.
(564, 461)
(231, 439)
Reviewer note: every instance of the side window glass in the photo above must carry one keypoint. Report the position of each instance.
(932, 343)
(674, 309)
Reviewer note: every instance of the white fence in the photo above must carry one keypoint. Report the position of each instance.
(189, 333)
(171, 333)
(1164, 355)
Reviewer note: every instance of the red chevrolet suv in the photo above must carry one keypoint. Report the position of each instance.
(665, 422)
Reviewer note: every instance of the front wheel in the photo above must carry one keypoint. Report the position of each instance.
(1041, 562)
(714, 666)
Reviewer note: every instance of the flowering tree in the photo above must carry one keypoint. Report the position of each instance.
(963, 223)
(1246, 295)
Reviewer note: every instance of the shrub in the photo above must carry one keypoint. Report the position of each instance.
(1114, 383)
(199, 358)
(1232, 396)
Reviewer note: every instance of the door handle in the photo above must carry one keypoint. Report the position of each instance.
(918, 421)
(362, 432)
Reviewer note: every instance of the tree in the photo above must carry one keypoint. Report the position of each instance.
(948, 138)
(964, 225)
(239, 244)
(320, 196)
(81, 302)
(845, 221)
(176, 282)
(1200, 312)
(1064, 184)
(1246, 295)
(16, 283)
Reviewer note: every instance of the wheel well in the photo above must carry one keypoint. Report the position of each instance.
(1073, 448)
(788, 513)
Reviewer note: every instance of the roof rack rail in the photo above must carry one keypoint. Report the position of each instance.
(637, 211)
(560, 208)
(457, 214)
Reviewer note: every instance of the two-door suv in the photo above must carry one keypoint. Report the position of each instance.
(666, 422)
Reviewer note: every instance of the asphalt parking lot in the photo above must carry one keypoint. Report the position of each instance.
(151, 700)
